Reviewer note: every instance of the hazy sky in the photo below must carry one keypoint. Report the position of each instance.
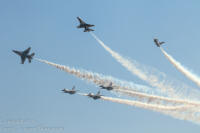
(30, 94)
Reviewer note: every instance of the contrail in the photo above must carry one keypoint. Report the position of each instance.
(179, 112)
(120, 86)
(151, 76)
(181, 68)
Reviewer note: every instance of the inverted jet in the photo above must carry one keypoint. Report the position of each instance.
(72, 91)
(94, 96)
(84, 25)
(157, 42)
(109, 87)
(25, 54)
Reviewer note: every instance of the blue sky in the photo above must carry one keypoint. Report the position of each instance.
(32, 91)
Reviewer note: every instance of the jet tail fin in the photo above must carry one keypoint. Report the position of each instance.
(31, 57)
(162, 43)
(98, 93)
(73, 88)
(88, 30)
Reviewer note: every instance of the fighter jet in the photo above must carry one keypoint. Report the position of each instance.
(84, 25)
(95, 97)
(24, 55)
(157, 42)
(72, 91)
(109, 87)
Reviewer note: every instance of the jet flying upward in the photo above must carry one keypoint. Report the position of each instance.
(157, 42)
(109, 87)
(72, 91)
(95, 97)
(24, 55)
(84, 25)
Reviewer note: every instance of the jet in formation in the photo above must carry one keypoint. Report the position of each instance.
(84, 25)
(72, 91)
(109, 87)
(156, 41)
(25, 54)
(94, 96)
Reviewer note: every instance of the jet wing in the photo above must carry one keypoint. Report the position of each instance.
(90, 25)
(27, 50)
(81, 21)
(161, 43)
(17, 52)
(23, 59)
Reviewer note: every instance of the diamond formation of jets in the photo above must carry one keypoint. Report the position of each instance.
(95, 96)
(156, 41)
(71, 92)
(109, 87)
(84, 25)
(24, 55)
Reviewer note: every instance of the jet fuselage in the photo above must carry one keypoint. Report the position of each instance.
(106, 88)
(95, 97)
(24, 55)
(69, 91)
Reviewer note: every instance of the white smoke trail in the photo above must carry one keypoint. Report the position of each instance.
(98, 79)
(181, 68)
(179, 112)
(143, 105)
(155, 78)
(120, 86)
(158, 99)
(176, 111)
